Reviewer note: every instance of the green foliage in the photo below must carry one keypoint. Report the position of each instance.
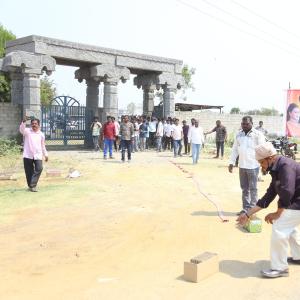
(269, 111)
(48, 91)
(5, 36)
(264, 111)
(235, 110)
(9, 147)
(187, 74)
(4, 88)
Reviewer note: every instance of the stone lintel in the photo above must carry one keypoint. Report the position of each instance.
(110, 73)
(70, 53)
(28, 62)
(169, 80)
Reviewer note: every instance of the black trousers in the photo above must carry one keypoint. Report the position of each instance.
(126, 145)
(187, 147)
(220, 145)
(33, 169)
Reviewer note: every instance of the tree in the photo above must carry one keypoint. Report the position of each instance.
(48, 91)
(235, 110)
(5, 36)
(269, 111)
(131, 107)
(187, 74)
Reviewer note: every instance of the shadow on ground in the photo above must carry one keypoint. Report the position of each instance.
(240, 269)
(212, 213)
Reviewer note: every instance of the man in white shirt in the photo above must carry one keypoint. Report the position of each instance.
(192, 125)
(196, 137)
(117, 127)
(152, 132)
(167, 135)
(177, 135)
(159, 135)
(244, 146)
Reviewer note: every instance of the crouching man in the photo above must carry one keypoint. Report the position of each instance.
(34, 150)
(285, 183)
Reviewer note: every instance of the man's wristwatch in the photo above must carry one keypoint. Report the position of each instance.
(247, 215)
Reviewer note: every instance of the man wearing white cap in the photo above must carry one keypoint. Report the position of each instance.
(285, 173)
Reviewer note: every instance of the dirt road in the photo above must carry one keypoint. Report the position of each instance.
(123, 231)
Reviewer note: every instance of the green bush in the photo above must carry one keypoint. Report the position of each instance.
(9, 147)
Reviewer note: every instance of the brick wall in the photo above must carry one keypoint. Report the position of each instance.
(10, 118)
(207, 120)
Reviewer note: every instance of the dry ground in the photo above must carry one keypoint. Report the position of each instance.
(123, 231)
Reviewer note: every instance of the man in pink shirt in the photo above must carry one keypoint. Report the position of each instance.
(33, 152)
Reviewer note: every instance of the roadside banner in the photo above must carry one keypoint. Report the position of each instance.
(293, 113)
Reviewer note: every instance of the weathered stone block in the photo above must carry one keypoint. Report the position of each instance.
(201, 267)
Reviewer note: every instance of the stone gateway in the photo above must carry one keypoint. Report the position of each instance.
(27, 58)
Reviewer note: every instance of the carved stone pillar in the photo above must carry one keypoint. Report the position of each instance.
(16, 87)
(110, 99)
(148, 100)
(169, 101)
(92, 96)
(31, 66)
(31, 94)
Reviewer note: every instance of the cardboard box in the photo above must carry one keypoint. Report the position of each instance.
(201, 267)
(254, 225)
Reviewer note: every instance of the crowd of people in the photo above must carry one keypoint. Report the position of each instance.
(141, 133)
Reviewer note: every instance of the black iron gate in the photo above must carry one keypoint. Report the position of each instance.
(65, 122)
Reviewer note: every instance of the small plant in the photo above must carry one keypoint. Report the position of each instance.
(9, 154)
(9, 147)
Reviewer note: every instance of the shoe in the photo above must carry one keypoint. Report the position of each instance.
(122, 160)
(216, 157)
(290, 260)
(129, 160)
(111, 157)
(275, 273)
(105, 157)
(33, 189)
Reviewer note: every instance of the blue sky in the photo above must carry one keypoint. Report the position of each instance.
(240, 59)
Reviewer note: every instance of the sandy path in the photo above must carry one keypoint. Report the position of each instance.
(123, 231)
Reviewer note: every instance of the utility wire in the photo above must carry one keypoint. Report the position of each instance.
(236, 28)
(265, 19)
(249, 24)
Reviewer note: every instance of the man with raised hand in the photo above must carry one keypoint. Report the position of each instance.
(33, 152)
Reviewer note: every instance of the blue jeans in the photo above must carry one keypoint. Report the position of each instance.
(195, 152)
(96, 142)
(177, 146)
(248, 182)
(158, 143)
(108, 143)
